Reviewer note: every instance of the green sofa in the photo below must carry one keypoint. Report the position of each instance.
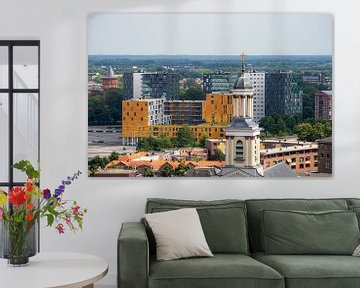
(234, 232)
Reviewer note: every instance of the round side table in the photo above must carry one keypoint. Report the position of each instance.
(54, 270)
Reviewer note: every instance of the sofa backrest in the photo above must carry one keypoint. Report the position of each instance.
(255, 206)
(224, 222)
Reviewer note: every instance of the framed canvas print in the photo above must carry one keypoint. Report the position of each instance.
(210, 95)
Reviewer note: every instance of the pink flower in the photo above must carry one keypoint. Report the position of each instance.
(60, 228)
(1, 214)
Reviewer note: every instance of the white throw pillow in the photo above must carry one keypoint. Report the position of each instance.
(178, 234)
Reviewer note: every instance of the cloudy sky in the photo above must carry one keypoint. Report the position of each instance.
(210, 34)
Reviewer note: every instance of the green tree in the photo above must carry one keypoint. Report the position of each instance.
(143, 145)
(309, 91)
(164, 141)
(96, 163)
(98, 113)
(202, 140)
(113, 100)
(218, 155)
(193, 93)
(181, 170)
(185, 137)
(114, 156)
(312, 132)
(167, 172)
(148, 172)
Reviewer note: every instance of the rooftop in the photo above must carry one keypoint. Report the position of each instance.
(280, 170)
(325, 140)
(289, 149)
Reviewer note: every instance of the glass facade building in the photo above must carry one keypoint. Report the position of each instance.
(283, 95)
(146, 85)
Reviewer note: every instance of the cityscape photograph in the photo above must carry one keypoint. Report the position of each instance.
(210, 95)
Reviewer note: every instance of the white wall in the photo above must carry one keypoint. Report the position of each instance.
(61, 27)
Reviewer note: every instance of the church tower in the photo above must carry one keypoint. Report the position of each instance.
(243, 134)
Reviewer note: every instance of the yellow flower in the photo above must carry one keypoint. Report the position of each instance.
(3, 198)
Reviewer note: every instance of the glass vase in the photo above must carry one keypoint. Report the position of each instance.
(18, 242)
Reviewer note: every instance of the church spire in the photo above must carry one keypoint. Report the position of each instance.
(243, 62)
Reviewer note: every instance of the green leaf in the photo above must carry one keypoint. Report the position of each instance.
(50, 219)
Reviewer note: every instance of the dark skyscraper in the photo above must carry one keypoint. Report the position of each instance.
(283, 96)
(146, 85)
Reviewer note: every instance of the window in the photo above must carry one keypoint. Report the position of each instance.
(239, 150)
(19, 108)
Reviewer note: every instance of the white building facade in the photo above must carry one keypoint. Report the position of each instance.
(257, 80)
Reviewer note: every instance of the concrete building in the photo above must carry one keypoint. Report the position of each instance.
(302, 158)
(280, 142)
(314, 79)
(138, 115)
(243, 134)
(257, 79)
(110, 81)
(184, 111)
(323, 105)
(213, 144)
(283, 95)
(325, 155)
(148, 85)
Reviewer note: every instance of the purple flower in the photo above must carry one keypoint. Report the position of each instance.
(46, 194)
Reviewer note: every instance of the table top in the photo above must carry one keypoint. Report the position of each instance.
(45, 270)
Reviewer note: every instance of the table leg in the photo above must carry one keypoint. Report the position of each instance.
(89, 286)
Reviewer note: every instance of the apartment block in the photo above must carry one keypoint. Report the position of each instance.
(302, 159)
(138, 115)
(323, 105)
(325, 155)
(217, 108)
(149, 85)
(184, 111)
(257, 80)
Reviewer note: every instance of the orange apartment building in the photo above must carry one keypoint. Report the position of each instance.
(302, 159)
(212, 131)
(135, 118)
(217, 108)
(144, 118)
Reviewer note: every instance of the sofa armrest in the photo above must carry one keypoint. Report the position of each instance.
(133, 256)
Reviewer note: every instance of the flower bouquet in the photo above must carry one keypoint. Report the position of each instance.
(21, 208)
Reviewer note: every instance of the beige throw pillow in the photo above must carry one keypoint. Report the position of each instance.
(178, 234)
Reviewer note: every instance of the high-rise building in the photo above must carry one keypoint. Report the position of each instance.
(149, 85)
(184, 111)
(138, 114)
(323, 105)
(283, 96)
(257, 80)
(110, 81)
(219, 82)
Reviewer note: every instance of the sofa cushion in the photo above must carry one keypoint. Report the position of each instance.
(255, 206)
(222, 270)
(178, 234)
(353, 201)
(297, 232)
(223, 221)
(313, 271)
